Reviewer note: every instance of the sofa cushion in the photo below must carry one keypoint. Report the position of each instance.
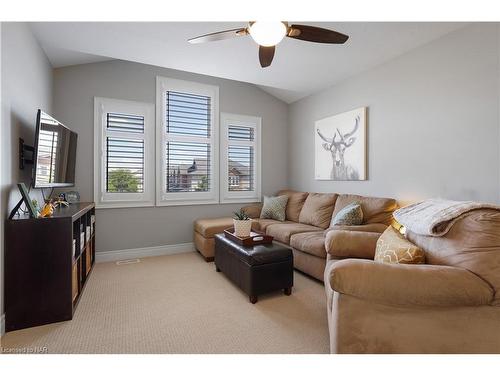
(317, 210)
(392, 247)
(352, 214)
(209, 227)
(309, 242)
(274, 208)
(282, 232)
(253, 210)
(295, 203)
(375, 210)
(262, 224)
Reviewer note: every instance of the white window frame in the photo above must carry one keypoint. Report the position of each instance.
(244, 121)
(103, 199)
(164, 84)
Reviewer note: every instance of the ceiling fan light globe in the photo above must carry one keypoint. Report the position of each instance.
(266, 33)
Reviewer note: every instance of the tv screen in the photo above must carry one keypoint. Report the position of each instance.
(55, 153)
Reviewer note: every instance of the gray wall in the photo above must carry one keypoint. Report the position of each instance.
(433, 122)
(26, 86)
(125, 228)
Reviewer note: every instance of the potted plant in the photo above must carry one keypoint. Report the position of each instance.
(242, 224)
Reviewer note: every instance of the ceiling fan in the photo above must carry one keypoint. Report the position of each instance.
(268, 34)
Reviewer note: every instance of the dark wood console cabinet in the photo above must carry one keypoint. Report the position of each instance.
(44, 275)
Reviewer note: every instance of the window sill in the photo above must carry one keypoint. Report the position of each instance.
(107, 205)
(240, 200)
(193, 202)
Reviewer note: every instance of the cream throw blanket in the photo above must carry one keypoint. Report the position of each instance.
(434, 217)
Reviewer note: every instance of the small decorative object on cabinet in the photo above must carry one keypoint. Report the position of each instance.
(47, 264)
(242, 224)
(72, 197)
(47, 210)
(59, 201)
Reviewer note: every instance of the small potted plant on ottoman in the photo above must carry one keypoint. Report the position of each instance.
(242, 224)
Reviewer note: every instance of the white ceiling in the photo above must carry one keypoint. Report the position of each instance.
(299, 68)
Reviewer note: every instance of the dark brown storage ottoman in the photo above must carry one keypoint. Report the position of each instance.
(255, 269)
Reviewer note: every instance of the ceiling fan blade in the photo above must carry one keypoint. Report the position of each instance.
(266, 55)
(219, 35)
(316, 34)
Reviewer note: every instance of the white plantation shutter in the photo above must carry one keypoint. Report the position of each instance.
(241, 166)
(123, 144)
(240, 158)
(187, 139)
(124, 156)
(125, 122)
(187, 163)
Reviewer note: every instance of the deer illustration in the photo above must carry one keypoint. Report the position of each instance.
(341, 170)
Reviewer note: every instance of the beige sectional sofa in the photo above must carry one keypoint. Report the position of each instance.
(307, 226)
(451, 304)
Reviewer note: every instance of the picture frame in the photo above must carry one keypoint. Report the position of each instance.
(340, 146)
(33, 213)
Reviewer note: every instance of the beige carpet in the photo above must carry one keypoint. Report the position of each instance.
(179, 304)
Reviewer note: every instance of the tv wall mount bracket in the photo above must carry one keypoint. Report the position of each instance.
(23, 150)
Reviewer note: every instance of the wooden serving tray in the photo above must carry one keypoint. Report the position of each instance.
(253, 239)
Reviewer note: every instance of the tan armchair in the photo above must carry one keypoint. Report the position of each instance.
(449, 306)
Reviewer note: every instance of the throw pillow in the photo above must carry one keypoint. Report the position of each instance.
(274, 208)
(352, 214)
(392, 247)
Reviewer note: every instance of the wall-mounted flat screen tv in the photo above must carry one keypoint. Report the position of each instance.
(54, 153)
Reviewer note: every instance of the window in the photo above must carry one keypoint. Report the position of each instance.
(240, 158)
(123, 153)
(187, 142)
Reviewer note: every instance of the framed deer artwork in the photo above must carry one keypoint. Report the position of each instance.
(340, 146)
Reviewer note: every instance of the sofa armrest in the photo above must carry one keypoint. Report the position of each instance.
(253, 210)
(346, 243)
(373, 227)
(409, 284)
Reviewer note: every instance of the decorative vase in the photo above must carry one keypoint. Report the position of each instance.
(47, 210)
(242, 228)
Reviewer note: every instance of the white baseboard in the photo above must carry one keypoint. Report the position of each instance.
(2, 325)
(113, 256)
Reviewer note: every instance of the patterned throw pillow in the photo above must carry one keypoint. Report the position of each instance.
(352, 214)
(392, 247)
(274, 208)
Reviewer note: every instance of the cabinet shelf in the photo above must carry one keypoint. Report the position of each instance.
(88, 243)
(44, 280)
